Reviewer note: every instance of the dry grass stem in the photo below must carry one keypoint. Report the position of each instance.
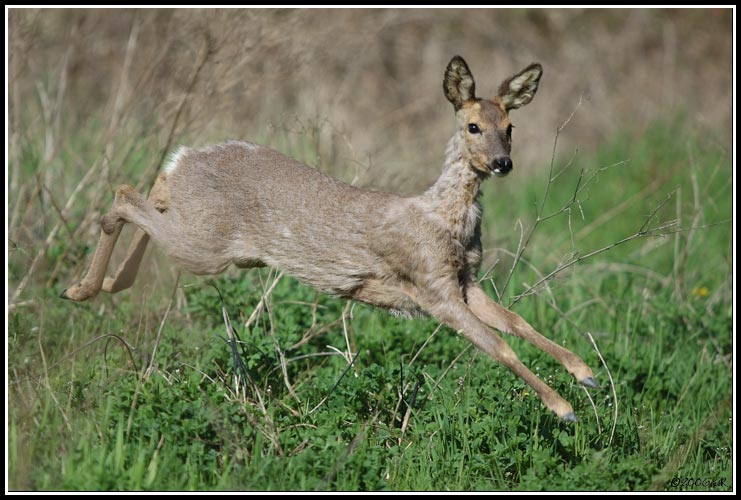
(612, 386)
(150, 367)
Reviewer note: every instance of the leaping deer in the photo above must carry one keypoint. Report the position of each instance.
(248, 205)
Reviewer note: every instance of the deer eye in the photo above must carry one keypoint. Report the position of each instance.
(473, 128)
(509, 131)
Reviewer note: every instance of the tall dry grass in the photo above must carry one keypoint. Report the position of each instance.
(374, 75)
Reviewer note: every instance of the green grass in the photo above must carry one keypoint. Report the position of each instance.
(83, 417)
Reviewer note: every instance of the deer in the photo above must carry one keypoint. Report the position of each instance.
(245, 204)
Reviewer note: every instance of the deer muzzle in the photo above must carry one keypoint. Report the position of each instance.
(501, 166)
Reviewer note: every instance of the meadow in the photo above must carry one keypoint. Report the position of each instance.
(614, 240)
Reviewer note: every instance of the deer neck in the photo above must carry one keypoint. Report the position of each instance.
(454, 197)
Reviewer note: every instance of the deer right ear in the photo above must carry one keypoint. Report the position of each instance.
(458, 84)
(519, 90)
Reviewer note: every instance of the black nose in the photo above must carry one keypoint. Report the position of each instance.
(501, 165)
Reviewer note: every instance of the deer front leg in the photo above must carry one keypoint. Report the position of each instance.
(507, 321)
(454, 312)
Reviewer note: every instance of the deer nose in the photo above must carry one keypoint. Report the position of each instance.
(501, 166)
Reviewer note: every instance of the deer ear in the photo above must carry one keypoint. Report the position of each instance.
(519, 90)
(458, 83)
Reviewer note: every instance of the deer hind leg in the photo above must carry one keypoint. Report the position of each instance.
(125, 275)
(454, 312)
(93, 280)
(128, 206)
(506, 321)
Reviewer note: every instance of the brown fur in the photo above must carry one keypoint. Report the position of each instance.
(248, 205)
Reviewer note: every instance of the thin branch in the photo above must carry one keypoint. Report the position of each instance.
(539, 210)
(537, 271)
(580, 186)
(643, 231)
(611, 213)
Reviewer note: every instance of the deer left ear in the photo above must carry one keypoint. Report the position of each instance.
(519, 90)
(458, 83)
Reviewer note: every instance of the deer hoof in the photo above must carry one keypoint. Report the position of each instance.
(590, 382)
(570, 417)
(75, 293)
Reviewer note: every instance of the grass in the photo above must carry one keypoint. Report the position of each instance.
(408, 414)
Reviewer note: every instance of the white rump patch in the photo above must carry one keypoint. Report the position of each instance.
(175, 156)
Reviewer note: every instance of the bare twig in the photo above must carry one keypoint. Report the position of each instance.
(22, 303)
(539, 210)
(612, 212)
(537, 271)
(680, 258)
(126, 345)
(642, 232)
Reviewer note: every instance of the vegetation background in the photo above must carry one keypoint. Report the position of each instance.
(620, 233)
